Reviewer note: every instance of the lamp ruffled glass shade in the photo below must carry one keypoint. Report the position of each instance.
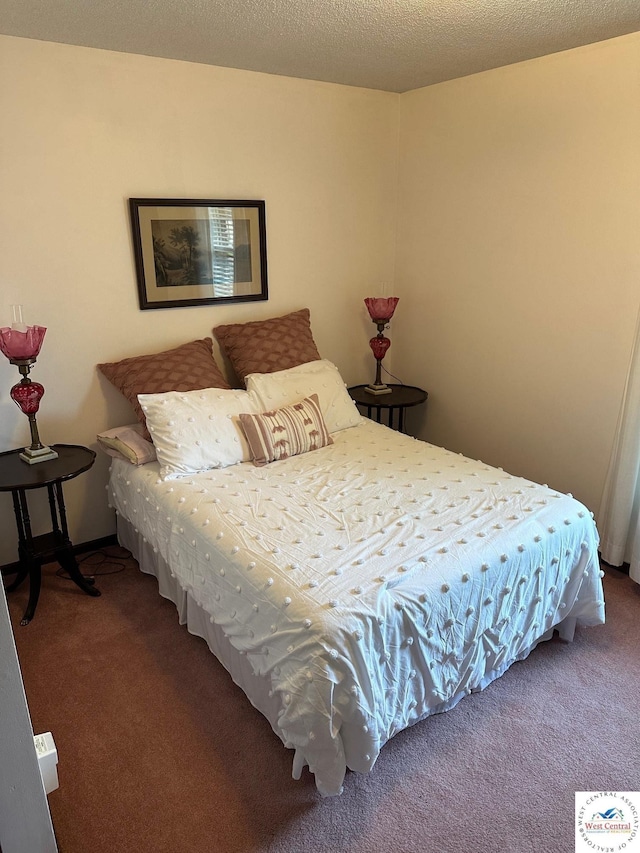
(381, 308)
(21, 346)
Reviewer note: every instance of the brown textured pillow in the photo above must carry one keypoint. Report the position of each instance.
(289, 431)
(265, 346)
(190, 367)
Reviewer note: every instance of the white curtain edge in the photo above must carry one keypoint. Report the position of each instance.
(619, 513)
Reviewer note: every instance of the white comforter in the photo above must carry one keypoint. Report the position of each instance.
(371, 583)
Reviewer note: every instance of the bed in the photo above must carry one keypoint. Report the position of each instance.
(357, 589)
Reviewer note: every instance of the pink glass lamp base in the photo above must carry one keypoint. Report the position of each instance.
(27, 395)
(379, 346)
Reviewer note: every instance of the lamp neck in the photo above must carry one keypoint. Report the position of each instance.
(36, 444)
(378, 379)
(24, 366)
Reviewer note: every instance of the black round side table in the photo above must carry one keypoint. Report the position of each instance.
(19, 477)
(400, 397)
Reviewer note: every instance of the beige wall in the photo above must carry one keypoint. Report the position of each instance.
(518, 260)
(84, 130)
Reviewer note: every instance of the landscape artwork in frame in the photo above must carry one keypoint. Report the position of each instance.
(198, 252)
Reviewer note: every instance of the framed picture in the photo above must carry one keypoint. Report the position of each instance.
(199, 252)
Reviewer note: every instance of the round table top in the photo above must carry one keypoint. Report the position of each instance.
(400, 396)
(72, 460)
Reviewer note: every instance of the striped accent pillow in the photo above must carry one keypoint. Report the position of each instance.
(285, 432)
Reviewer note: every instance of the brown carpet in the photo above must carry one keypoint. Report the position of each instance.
(160, 751)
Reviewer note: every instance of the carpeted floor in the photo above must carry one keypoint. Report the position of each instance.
(160, 751)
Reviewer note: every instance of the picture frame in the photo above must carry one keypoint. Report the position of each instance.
(199, 251)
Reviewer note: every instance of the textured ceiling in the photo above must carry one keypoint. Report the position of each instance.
(393, 45)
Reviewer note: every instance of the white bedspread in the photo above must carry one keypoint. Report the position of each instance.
(371, 583)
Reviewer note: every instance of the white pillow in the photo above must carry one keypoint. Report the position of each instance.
(285, 387)
(195, 431)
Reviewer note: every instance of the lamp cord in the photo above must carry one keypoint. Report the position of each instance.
(102, 558)
(391, 375)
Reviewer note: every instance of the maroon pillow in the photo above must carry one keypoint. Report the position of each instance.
(266, 346)
(190, 367)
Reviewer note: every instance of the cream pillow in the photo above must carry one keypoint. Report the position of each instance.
(126, 442)
(321, 377)
(195, 431)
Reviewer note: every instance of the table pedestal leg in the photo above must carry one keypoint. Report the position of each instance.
(65, 556)
(69, 564)
(23, 571)
(35, 581)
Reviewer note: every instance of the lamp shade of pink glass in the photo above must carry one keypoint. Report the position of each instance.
(381, 308)
(21, 346)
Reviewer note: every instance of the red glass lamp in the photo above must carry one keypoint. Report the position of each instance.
(21, 345)
(380, 310)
